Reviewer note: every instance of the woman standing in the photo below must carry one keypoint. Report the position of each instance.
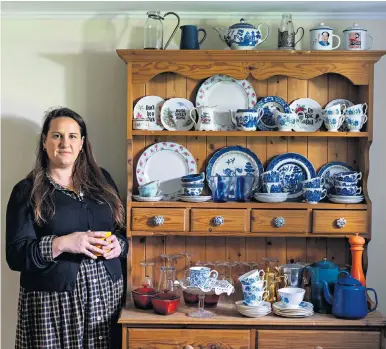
(56, 216)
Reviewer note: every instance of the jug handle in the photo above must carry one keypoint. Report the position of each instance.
(376, 299)
(301, 36)
(190, 115)
(202, 40)
(175, 29)
(267, 28)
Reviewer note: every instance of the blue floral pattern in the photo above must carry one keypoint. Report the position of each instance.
(267, 122)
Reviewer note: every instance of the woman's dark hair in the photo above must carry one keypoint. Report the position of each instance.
(86, 175)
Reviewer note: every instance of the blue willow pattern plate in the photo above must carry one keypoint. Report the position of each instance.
(267, 122)
(329, 170)
(294, 168)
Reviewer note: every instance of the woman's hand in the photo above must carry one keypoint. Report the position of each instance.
(79, 242)
(113, 249)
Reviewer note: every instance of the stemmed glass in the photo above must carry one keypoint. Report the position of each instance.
(201, 312)
(147, 280)
(171, 258)
(188, 264)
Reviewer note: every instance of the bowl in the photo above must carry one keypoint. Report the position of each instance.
(190, 299)
(193, 178)
(211, 300)
(193, 189)
(165, 304)
(142, 297)
(291, 297)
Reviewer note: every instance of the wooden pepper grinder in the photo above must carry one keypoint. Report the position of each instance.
(356, 248)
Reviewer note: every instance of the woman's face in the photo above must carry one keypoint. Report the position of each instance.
(63, 142)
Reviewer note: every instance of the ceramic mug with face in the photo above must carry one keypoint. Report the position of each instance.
(355, 38)
(321, 38)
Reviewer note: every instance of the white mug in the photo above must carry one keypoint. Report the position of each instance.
(355, 38)
(321, 38)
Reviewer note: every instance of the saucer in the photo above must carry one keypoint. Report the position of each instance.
(198, 198)
(271, 197)
(302, 307)
(340, 199)
(146, 198)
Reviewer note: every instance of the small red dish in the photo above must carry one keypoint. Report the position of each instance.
(142, 297)
(165, 303)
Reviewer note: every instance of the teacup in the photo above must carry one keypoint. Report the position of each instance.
(287, 121)
(291, 297)
(196, 178)
(348, 191)
(252, 277)
(150, 189)
(315, 182)
(256, 286)
(193, 189)
(314, 195)
(271, 176)
(141, 124)
(272, 187)
(337, 109)
(199, 275)
(255, 298)
(345, 184)
(355, 122)
(348, 176)
(357, 109)
(247, 119)
(333, 121)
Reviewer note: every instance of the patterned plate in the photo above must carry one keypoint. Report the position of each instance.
(294, 168)
(147, 199)
(166, 162)
(149, 108)
(329, 170)
(348, 104)
(267, 122)
(313, 114)
(302, 307)
(175, 114)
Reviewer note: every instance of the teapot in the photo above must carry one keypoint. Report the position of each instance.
(242, 36)
(349, 299)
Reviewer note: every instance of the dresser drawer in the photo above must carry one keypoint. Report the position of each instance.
(280, 221)
(339, 221)
(158, 219)
(189, 339)
(215, 220)
(292, 339)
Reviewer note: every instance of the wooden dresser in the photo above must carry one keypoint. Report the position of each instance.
(248, 233)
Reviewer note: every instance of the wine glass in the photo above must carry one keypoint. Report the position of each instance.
(201, 313)
(147, 280)
(188, 264)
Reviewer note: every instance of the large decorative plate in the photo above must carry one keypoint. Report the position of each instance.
(175, 114)
(294, 168)
(313, 114)
(329, 170)
(267, 122)
(235, 161)
(149, 108)
(166, 162)
(348, 104)
(227, 94)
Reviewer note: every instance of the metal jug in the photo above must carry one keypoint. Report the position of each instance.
(189, 37)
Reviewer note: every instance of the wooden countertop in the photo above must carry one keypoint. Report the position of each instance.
(226, 314)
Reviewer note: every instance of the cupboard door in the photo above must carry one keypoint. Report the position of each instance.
(279, 221)
(158, 219)
(339, 221)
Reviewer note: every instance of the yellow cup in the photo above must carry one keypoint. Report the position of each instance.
(107, 234)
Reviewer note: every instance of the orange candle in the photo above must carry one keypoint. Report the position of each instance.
(356, 248)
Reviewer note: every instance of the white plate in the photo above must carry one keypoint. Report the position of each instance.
(270, 199)
(201, 198)
(313, 117)
(147, 199)
(149, 108)
(343, 200)
(348, 104)
(227, 94)
(303, 307)
(294, 315)
(175, 114)
(166, 162)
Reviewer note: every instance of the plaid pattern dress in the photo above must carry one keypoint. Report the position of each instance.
(83, 318)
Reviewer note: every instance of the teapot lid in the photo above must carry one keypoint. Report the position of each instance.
(355, 26)
(348, 280)
(321, 26)
(325, 264)
(242, 25)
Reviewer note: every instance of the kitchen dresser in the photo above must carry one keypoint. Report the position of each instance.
(248, 232)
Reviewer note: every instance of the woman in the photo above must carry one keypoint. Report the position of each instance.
(56, 217)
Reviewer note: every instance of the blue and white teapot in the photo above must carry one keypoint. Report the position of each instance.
(243, 36)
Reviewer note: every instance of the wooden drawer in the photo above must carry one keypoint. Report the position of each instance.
(232, 220)
(292, 339)
(143, 219)
(326, 221)
(188, 339)
(268, 221)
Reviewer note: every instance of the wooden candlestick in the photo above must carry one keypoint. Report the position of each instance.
(356, 248)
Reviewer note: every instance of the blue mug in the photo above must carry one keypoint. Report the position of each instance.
(189, 37)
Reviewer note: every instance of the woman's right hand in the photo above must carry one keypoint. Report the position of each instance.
(79, 242)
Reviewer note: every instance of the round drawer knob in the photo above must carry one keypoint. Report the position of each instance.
(187, 347)
(341, 222)
(278, 222)
(217, 221)
(157, 221)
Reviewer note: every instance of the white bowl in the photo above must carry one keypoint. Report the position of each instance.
(291, 297)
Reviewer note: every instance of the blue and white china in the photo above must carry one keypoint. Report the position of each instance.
(150, 189)
(192, 189)
(270, 103)
(271, 187)
(235, 161)
(340, 199)
(243, 188)
(336, 109)
(355, 38)
(255, 298)
(195, 178)
(270, 176)
(355, 122)
(256, 286)
(347, 104)
(321, 38)
(199, 275)
(243, 36)
(271, 197)
(252, 277)
(247, 119)
(147, 198)
(311, 118)
(221, 187)
(148, 108)
(175, 114)
(348, 176)
(199, 198)
(304, 309)
(286, 122)
(315, 182)
(345, 184)
(205, 120)
(294, 169)
(329, 170)
(357, 109)
(333, 122)
(314, 195)
(291, 297)
(348, 191)
(227, 94)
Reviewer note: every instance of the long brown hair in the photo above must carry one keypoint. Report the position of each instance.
(86, 175)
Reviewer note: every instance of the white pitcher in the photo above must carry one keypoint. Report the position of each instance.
(205, 121)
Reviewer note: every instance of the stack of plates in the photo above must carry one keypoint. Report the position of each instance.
(200, 198)
(340, 199)
(253, 311)
(147, 198)
(304, 309)
(271, 197)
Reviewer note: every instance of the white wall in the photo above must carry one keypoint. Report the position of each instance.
(73, 63)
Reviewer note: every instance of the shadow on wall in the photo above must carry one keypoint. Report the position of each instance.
(18, 145)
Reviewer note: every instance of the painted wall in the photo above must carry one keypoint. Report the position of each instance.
(73, 63)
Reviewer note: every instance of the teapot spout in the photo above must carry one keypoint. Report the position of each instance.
(326, 291)
(222, 33)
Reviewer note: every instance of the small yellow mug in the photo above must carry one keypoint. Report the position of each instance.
(107, 234)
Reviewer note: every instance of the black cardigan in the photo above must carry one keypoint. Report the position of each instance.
(23, 236)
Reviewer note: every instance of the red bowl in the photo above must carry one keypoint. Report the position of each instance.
(211, 300)
(165, 306)
(142, 297)
(190, 298)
